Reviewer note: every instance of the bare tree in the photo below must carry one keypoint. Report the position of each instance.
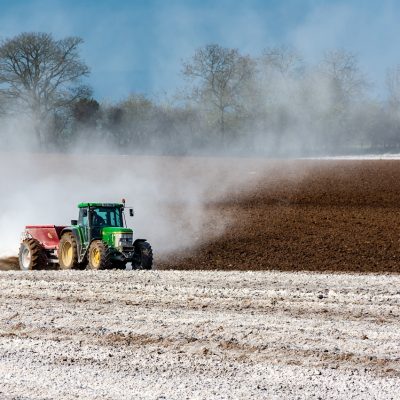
(346, 79)
(220, 76)
(282, 59)
(280, 71)
(393, 106)
(41, 75)
(345, 87)
(139, 120)
(393, 87)
(86, 111)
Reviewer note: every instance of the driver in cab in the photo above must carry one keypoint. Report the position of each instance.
(97, 219)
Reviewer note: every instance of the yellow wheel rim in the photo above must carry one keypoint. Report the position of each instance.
(66, 253)
(96, 258)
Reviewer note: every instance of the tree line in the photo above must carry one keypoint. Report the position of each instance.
(273, 104)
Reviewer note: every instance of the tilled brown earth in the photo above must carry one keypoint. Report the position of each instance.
(8, 263)
(198, 335)
(310, 215)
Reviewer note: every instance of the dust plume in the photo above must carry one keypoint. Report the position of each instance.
(172, 196)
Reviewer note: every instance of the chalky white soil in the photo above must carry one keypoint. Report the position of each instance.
(198, 335)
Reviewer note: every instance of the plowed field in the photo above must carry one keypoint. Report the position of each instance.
(338, 216)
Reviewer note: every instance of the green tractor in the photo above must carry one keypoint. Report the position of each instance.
(99, 239)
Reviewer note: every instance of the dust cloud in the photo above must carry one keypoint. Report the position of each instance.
(172, 196)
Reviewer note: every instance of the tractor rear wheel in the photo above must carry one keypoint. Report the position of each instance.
(99, 256)
(145, 255)
(68, 252)
(32, 255)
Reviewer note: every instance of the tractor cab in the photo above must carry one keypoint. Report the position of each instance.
(96, 214)
(94, 217)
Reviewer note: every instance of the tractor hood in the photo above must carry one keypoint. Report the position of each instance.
(117, 237)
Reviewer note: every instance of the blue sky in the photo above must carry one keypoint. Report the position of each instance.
(138, 46)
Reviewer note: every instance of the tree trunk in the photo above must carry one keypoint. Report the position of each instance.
(222, 126)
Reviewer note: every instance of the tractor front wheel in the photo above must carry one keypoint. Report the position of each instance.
(32, 255)
(68, 252)
(99, 255)
(144, 254)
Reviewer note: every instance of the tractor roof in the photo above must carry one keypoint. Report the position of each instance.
(85, 205)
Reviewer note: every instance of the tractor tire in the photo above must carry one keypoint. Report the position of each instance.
(145, 252)
(99, 256)
(68, 252)
(32, 255)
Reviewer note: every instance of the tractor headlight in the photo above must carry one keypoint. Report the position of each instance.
(124, 240)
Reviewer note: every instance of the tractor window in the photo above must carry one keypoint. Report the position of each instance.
(83, 217)
(107, 216)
